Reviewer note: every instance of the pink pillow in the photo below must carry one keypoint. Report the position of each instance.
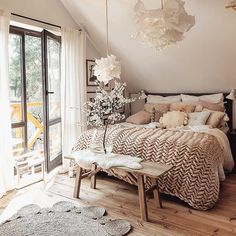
(139, 118)
(210, 106)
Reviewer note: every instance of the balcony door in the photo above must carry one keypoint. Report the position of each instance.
(52, 99)
(34, 72)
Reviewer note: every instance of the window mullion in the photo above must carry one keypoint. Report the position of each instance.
(24, 92)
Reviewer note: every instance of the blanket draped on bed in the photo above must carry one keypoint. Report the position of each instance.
(195, 158)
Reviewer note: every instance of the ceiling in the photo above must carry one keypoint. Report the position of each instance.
(203, 61)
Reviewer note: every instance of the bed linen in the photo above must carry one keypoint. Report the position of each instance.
(196, 157)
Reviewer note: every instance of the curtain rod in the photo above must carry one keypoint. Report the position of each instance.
(28, 18)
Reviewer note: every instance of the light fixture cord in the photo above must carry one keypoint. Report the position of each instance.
(162, 4)
(107, 39)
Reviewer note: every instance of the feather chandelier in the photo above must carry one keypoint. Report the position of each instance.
(160, 28)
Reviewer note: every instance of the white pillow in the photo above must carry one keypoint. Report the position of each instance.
(161, 99)
(198, 118)
(212, 98)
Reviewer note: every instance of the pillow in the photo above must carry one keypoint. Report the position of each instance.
(173, 119)
(189, 98)
(215, 119)
(184, 107)
(210, 106)
(213, 98)
(158, 107)
(198, 118)
(158, 115)
(139, 118)
(156, 110)
(161, 99)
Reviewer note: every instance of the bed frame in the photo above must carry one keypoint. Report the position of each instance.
(228, 103)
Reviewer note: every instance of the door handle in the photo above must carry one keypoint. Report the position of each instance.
(48, 92)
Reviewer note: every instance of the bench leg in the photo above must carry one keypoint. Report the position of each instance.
(156, 193)
(77, 182)
(142, 198)
(93, 177)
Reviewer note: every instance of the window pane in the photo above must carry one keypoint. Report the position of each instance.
(15, 77)
(33, 61)
(18, 141)
(55, 140)
(54, 78)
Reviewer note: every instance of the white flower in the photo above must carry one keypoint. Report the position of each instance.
(107, 69)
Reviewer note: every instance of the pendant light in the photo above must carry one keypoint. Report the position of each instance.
(107, 68)
(162, 27)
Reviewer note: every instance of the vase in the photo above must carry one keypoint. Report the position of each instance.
(99, 141)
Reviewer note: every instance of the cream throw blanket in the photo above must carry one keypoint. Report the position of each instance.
(85, 158)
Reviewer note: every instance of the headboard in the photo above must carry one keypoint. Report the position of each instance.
(228, 103)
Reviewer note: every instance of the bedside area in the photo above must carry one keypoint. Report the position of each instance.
(232, 140)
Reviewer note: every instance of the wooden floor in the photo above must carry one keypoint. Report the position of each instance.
(121, 201)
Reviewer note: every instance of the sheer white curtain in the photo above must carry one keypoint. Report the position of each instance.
(73, 87)
(6, 158)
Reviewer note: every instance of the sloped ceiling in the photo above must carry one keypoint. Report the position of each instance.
(204, 62)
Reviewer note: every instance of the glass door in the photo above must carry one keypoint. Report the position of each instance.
(52, 99)
(26, 96)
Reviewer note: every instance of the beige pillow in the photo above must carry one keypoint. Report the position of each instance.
(198, 118)
(158, 115)
(157, 106)
(139, 118)
(162, 99)
(173, 119)
(184, 107)
(210, 106)
(213, 98)
(215, 119)
(156, 110)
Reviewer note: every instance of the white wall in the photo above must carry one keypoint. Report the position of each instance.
(205, 61)
(91, 52)
(51, 11)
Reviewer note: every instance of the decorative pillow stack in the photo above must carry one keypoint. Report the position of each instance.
(171, 112)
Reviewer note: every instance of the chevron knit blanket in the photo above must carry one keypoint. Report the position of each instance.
(195, 158)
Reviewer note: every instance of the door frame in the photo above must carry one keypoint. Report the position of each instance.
(50, 165)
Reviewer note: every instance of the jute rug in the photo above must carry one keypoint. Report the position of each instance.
(63, 218)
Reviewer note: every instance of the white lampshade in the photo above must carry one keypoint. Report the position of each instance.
(232, 95)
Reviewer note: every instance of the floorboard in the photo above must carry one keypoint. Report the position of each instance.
(121, 201)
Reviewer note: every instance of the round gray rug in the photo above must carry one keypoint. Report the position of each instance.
(64, 218)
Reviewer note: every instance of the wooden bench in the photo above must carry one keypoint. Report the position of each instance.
(151, 169)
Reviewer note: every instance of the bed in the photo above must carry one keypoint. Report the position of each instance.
(198, 157)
